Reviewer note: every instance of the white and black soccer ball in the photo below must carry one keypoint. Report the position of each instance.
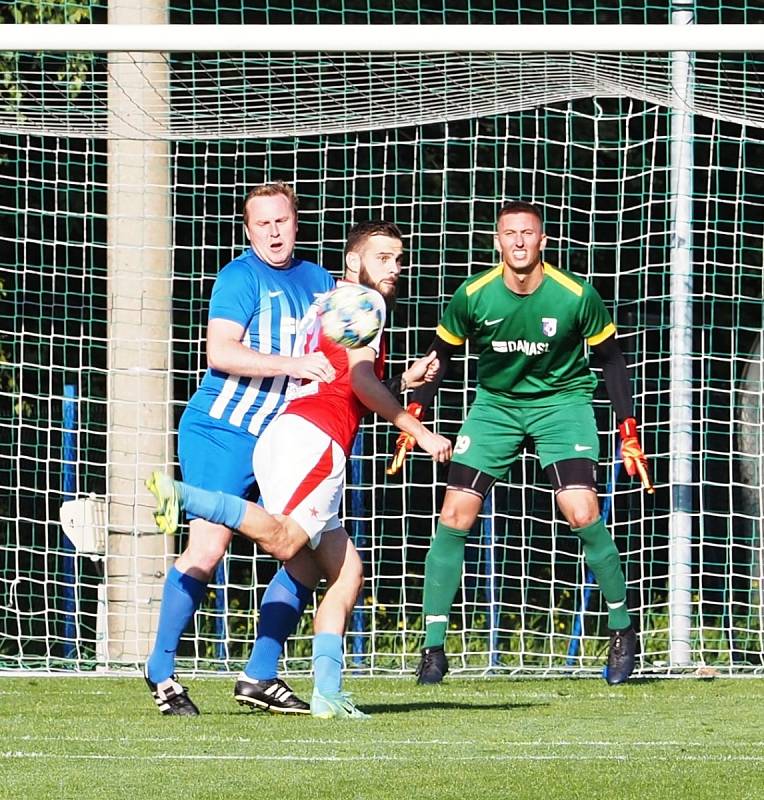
(351, 315)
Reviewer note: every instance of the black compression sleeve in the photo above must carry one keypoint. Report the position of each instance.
(425, 393)
(394, 384)
(616, 377)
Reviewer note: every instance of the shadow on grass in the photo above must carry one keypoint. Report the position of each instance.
(446, 705)
(643, 680)
(390, 708)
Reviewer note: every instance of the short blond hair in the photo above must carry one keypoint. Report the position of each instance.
(270, 190)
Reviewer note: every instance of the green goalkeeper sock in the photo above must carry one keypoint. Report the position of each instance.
(442, 574)
(602, 557)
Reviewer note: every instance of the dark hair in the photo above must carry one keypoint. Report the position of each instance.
(363, 230)
(270, 190)
(520, 207)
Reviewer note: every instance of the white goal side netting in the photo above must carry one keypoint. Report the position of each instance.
(238, 95)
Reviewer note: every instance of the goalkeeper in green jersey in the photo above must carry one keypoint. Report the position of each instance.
(528, 322)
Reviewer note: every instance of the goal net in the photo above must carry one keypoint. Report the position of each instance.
(121, 181)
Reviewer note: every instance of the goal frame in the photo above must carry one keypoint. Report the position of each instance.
(173, 38)
(679, 39)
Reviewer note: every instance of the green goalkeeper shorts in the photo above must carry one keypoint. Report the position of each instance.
(493, 434)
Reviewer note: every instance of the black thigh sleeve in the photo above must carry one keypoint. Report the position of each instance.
(469, 479)
(572, 473)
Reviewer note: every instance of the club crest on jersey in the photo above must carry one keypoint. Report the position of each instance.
(549, 326)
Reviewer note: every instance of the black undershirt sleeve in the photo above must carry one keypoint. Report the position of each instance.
(394, 384)
(426, 393)
(616, 376)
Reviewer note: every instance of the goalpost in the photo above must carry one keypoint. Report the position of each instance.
(126, 174)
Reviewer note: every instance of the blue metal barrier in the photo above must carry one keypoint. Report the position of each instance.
(68, 558)
(578, 620)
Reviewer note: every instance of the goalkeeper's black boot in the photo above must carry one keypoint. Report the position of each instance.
(432, 666)
(268, 695)
(621, 656)
(171, 698)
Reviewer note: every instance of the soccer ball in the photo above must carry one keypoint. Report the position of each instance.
(350, 316)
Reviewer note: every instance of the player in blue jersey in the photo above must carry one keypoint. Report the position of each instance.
(257, 301)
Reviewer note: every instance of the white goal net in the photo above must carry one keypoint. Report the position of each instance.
(121, 181)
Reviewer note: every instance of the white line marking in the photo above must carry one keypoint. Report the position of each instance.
(383, 742)
(350, 758)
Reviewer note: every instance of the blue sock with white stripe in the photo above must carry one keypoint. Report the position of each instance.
(219, 507)
(181, 596)
(280, 611)
(327, 663)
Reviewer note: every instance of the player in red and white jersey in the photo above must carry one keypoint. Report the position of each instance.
(334, 407)
(300, 463)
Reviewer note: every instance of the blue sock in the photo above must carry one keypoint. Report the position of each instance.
(218, 507)
(280, 611)
(327, 663)
(181, 597)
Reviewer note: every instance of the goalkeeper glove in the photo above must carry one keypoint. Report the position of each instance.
(634, 459)
(405, 441)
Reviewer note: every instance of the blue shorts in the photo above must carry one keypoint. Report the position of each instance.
(214, 455)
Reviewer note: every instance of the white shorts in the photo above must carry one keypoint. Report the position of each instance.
(301, 473)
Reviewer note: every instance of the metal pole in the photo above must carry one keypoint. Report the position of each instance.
(681, 412)
(358, 619)
(69, 490)
(221, 615)
(490, 579)
(576, 634)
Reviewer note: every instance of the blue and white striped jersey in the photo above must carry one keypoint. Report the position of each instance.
(269, 304)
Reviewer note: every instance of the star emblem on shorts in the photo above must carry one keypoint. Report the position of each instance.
(314, 512)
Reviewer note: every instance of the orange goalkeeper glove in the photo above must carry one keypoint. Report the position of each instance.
(634, 459)
(404, 442)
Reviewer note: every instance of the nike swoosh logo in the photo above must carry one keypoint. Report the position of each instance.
(490, 322)
(275, 294)
(579, 448)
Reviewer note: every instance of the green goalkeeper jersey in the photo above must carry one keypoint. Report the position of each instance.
(530, 347)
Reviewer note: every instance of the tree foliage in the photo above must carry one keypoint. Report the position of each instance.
(70, 69)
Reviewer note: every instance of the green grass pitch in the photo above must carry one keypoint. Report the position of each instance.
(75, 739)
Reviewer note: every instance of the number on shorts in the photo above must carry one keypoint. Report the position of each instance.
(462, 444)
